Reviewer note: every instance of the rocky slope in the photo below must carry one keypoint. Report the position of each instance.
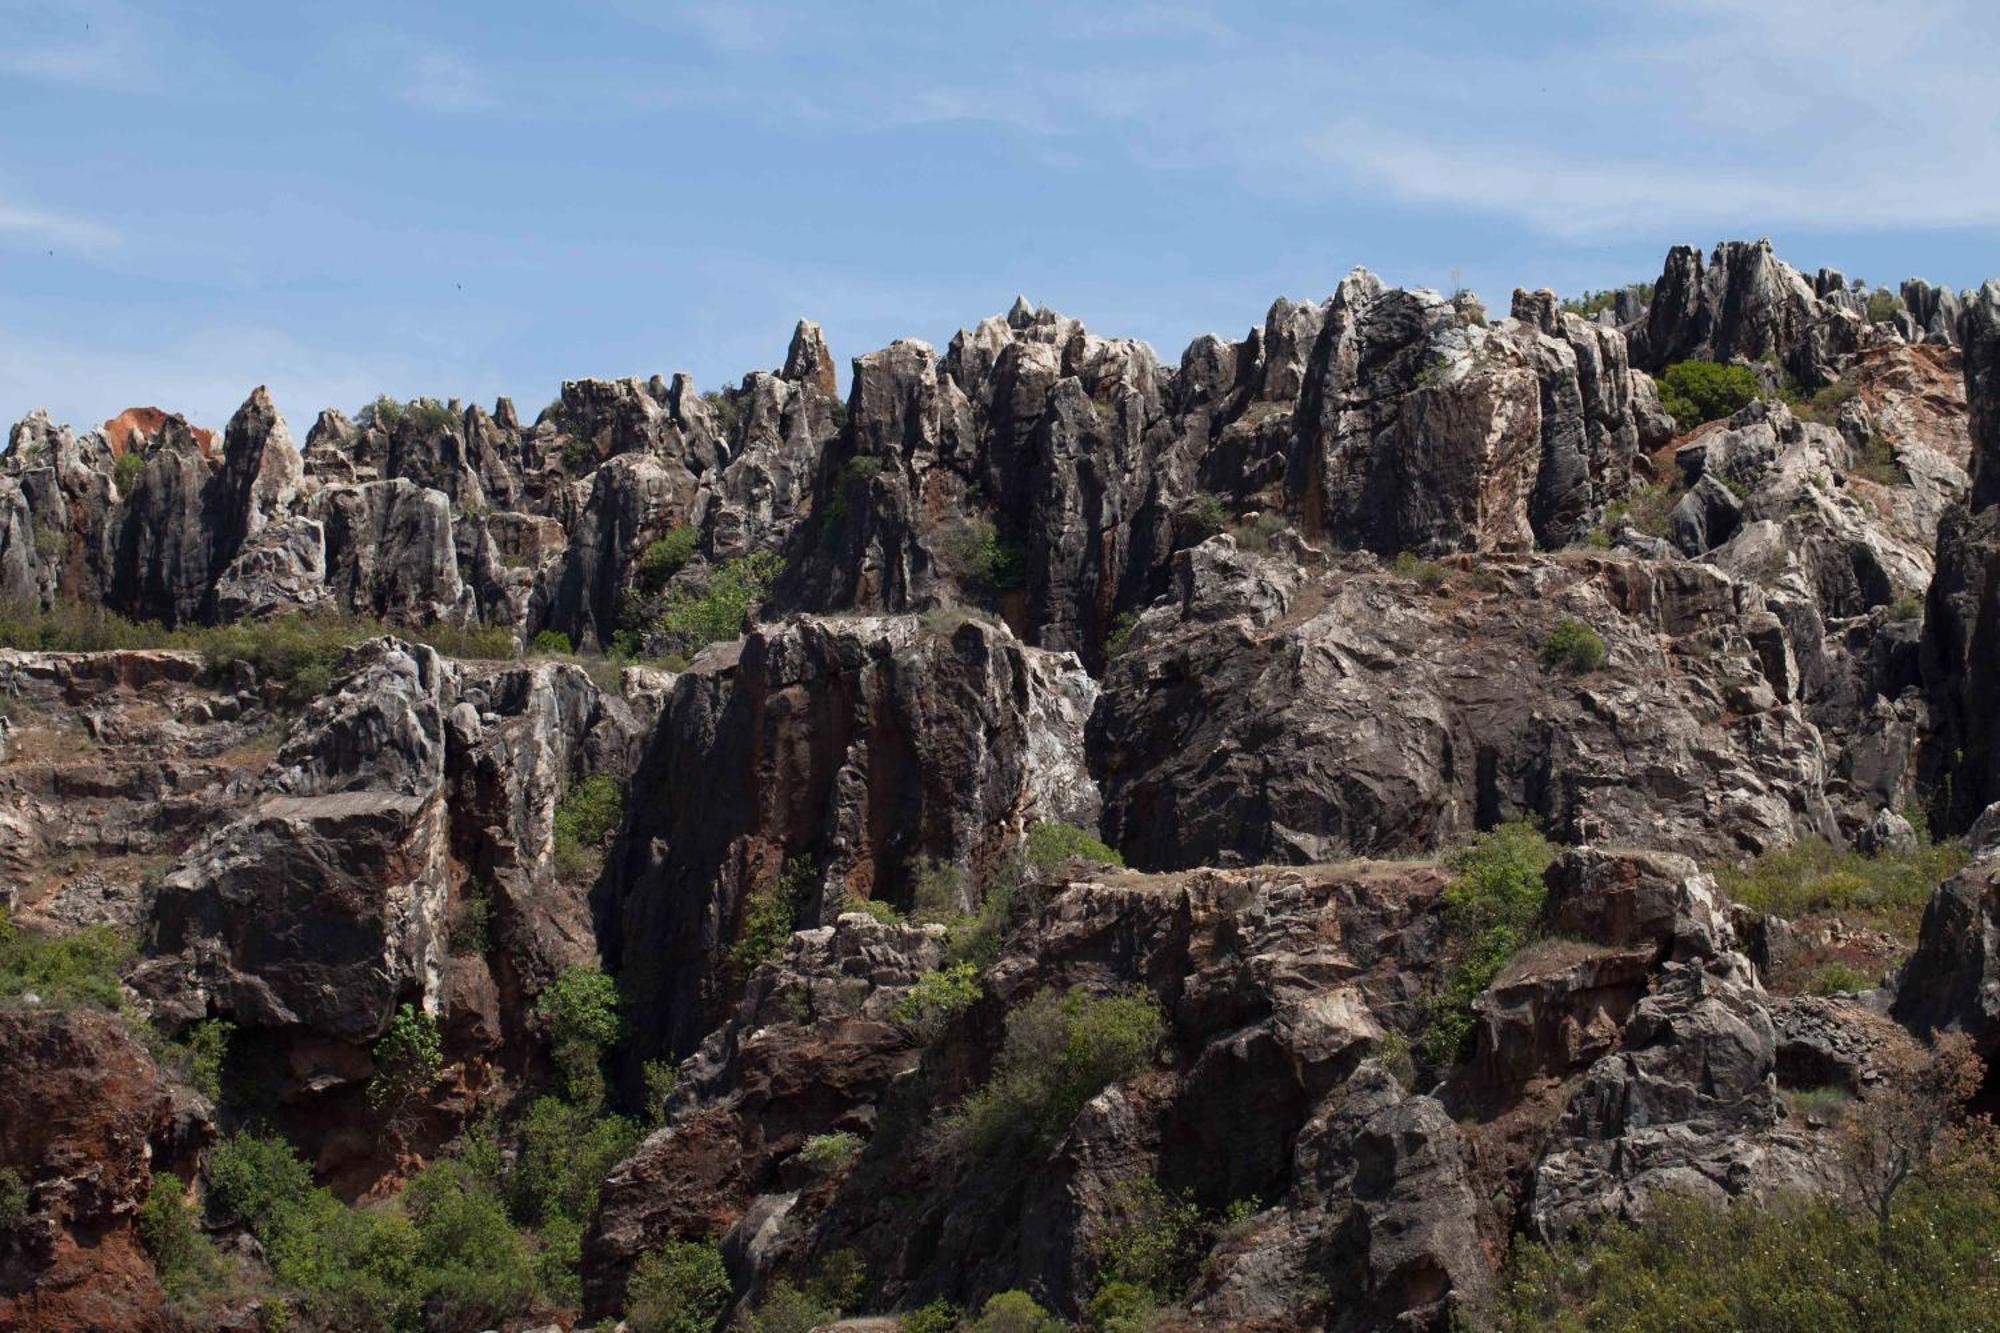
(1287, 625)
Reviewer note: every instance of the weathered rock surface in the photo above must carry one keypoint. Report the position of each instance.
(86, 1120)
(859, 744)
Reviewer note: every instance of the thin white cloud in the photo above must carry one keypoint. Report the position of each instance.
(60, 231)
(100, 43)
(443, 81)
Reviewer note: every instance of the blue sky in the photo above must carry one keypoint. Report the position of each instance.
(341, 200)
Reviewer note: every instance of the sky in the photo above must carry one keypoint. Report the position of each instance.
(469, 201)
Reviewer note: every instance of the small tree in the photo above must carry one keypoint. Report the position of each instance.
(681, 1287)
(408, 1061)
(1907, 1122)
(580, 1008)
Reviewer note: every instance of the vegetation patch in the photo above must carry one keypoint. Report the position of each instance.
(585, 816)
(1887, 887)
(772, 915)
(1060, 1051)
(1051, 844)
(1490, 912)
(1572, 647)
(80, 968)
(1694, 392)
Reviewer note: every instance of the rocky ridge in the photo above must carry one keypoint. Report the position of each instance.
(1275, 622)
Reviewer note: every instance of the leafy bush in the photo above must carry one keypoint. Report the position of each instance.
(727, 410)
(1153, 1243)
(1050, 845)
(350, 1267)
(789, 1309)
(1815, 876)
(1884, 306)
(383, 413)
(938, 890)
(660, 1077)
(198, 1056)
(1120, 637)
(171, 1233)
(1594, 303)
(1573, 647)
(431, 416)
(874, 908)
(1059, 1052)
(666, 557)
(937, 998)
(252, 1178)
(681, 1287)
(940, 1316)
(691, 621)
(409, 1058)
(13, 1198)
(770, 916)
(1697, 391)
(1789, 1265)
(1835, 978)
(825, 1152)
(126, 469)
(1489, 912)
(584, 818)
(1120, 1307)
(1206, 516)
(1015, 1312)
(564, 1151)
(1428, 573)
(63, 971)
(475, 1268)
(471, 931)
(552, 641)
(580, 1012)
(974, 550)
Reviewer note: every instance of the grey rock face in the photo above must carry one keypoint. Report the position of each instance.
(862, 744)
(1744, 304)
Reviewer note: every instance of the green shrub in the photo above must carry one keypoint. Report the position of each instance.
(186, 1262)
(584, 818)
(1595, 303)
(1206, 516)
(1051, 844)
(200, 1054)
(788, 1309)
(475, 1269)
(383, 413)
(349, 1267)
(431, 416)
(1884, 306)
(126, 469)
(937, 891)
(875, 908)
(1120, 637)
(1015, 1312)
(975, 552)
(681, 1287)
(940, 1316)
(471, 932)
(1120, 1307)
(1697, 391)
(1835, 978)
(826, 1152)
(552, 641)
(63, 971)
(691, 621)
(666, 557)
(1815, 876)
(579, 1011)
(1059, 1052)
(727, 409)
(1788, 1265)
(564, 1152)
(937, 998)
(661, 1078)
(1573, 647)
(1153, 1243)
(1428, 573)
(770, 916)
(13, 1198)
(1490, 911)
(253, 1178)
(409, 1059)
